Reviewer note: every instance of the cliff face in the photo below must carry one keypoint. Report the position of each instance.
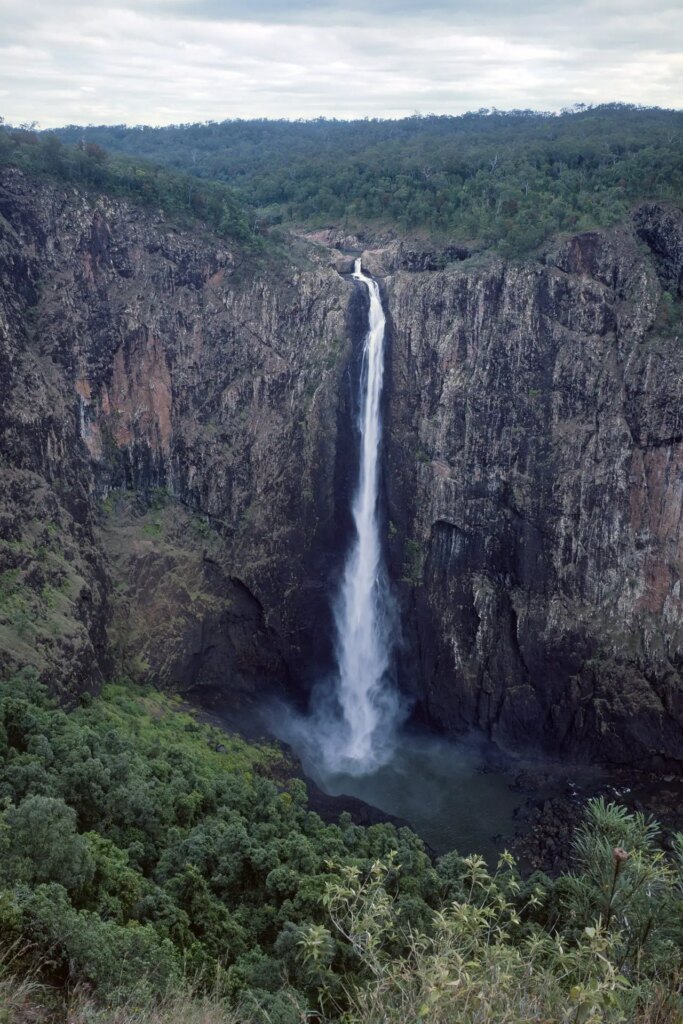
(536, 466)
(141, 358)
(533, 467)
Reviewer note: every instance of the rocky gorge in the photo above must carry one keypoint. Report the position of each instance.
(176, 457)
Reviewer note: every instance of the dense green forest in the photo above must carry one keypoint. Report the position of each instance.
(153, 868)
(88, 166)
(139, 847)
(507, 179)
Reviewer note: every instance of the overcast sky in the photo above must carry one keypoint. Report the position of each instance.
(165, 61)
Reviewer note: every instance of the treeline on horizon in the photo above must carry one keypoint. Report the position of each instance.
(503, 179)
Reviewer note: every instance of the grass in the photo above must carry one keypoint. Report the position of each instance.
(153, 529)
(21, 995)
(178, 1009)
(25, 1001)
(154, 538)
(41, 576)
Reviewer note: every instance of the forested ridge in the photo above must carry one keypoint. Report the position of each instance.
(507, 180)
(504, 179)
(88, 166)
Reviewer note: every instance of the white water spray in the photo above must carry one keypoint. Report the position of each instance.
(367, 702)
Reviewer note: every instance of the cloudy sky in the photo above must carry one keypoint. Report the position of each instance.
(164, 61)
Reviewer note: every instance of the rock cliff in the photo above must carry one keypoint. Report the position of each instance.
(139, 358)
(535, 477)
(177, 454)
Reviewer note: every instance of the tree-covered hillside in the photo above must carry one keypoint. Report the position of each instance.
(505, 179)
(90, 167)
(155, 870)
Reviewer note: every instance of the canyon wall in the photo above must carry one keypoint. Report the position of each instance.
(535, 474)
(142, 359)
(177, 451)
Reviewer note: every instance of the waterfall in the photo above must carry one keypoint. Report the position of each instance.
(367, 702)
(351, 726)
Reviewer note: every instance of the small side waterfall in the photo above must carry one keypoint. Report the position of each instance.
(367, 703)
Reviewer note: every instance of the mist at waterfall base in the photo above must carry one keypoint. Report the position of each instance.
(444, 789)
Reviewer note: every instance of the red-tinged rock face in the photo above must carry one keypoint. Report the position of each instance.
(140, 406)
(657, 517)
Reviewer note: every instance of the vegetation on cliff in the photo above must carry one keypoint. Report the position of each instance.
(146, 856)
(87, 165)
(507, 179)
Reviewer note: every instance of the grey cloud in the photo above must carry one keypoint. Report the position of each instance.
(612, 23)
(159, 61)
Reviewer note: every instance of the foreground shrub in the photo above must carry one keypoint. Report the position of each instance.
(601, 945)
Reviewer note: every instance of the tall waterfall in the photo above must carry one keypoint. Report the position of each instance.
(367, 703)
(351, 726)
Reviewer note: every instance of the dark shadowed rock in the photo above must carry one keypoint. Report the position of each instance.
(535, 486)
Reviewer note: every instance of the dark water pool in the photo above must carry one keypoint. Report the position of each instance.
(455, 795)
(442, 789)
